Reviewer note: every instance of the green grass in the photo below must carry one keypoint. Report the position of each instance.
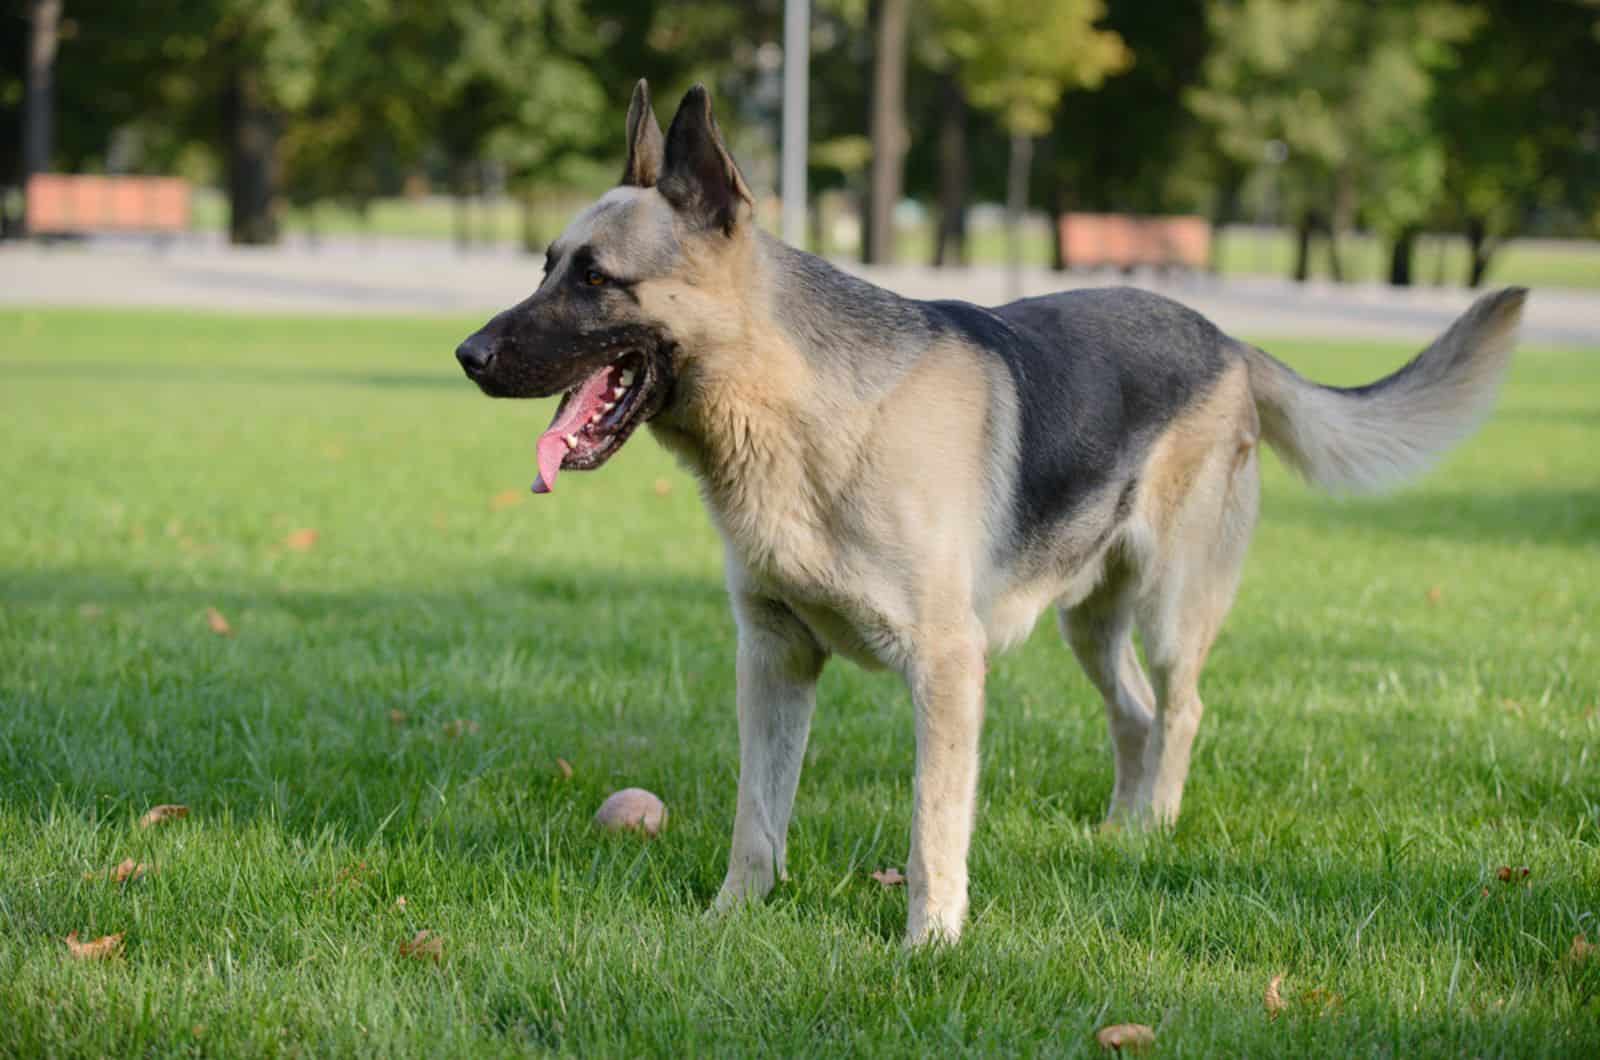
(1404, 699)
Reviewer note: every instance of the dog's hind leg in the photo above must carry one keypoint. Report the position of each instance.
(778, 665)
(1180, 608)
(1100, 633)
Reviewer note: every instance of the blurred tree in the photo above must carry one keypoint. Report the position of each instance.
(1345, 86)
(1518, 120)
(1016, 58)
(1129, 145)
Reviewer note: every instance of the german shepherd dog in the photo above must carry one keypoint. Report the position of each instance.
(909, 484)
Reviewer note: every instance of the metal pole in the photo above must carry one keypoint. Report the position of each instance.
(796, 67)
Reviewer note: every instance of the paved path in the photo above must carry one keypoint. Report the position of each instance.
(393, 276)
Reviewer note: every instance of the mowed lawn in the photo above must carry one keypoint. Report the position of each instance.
(1404, 701)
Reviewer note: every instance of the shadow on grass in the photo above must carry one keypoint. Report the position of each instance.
(1566, 517)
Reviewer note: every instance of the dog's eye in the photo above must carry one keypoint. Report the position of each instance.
(594, 278)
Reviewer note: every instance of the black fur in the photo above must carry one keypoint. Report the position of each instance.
(1098, 373)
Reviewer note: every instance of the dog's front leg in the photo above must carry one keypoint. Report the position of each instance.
(778, 665)
(946, 681)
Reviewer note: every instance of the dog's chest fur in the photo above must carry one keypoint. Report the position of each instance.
(838, 511)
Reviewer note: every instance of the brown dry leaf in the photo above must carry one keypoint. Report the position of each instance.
(1582, 949)
(129, 869)
(1125, 1036)
(423, 946)
(1272, 999)
(459, 728)
(198, 1029)
(1507, 874)
(1435, 594)
(351, 876)
(564, 767)
(398, 718)
(219, 625)
(505, 499)
(90, 612)
(400, 903)
(302, 540)
(889, 877)
(1512, 707)
(1324, 1001)
(165, 812)
(663, 487)
(101, 949)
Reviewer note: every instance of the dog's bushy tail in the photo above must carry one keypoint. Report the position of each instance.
(1365, 439)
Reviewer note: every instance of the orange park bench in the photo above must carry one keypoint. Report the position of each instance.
(72, 205)
(1126, 241)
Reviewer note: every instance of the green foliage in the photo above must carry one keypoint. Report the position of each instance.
(1017, 57)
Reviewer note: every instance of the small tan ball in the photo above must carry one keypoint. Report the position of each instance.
(635, 809)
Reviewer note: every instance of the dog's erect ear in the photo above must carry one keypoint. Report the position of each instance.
(699, 177)
(644, 140)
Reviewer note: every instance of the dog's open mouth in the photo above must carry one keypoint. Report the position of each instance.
(597, 416)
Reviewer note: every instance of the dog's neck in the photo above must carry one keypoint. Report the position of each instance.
(777, 402)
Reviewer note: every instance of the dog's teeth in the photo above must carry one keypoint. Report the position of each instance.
(608, 406)
(619, 391)
(597, 417)
(571, 440)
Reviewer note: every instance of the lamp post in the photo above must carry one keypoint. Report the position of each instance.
(796, 67)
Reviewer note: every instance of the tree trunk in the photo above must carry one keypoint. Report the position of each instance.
(1020, 163)
(1224, 214)
(1479, 250)
(888, 127)
(1400, 254)
(38, 115)
(819, 228)
(252, 131)
(950, 241)
(1302, 254)
(1335, 263)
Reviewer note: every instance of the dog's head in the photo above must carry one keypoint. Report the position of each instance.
(636, 281)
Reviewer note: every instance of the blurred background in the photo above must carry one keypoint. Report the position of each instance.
(1438, 143)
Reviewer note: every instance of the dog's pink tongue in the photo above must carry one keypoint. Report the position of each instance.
(573, 414)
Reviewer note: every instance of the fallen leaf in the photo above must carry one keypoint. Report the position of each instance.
(459, 728)
(1435, 594)
(218, 624)
(352, 876)
(564, 768)
(398, 718)
(889, 877)
(423, 946)
(400, 903)
(90, 612)
(505, 499)
(127, 870)
(302, 540)
(1324, 1001)
(1272, 1000)
(1582, 949)
(1512, 707)
(1507, 874)
(165, 812)
(663, 487)
(1129, 1036)
(103, 948)
(198, 1029)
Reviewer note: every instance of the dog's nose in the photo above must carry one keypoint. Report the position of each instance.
(475, 353)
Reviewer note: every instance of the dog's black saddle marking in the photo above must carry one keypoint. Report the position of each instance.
(1098, 373)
